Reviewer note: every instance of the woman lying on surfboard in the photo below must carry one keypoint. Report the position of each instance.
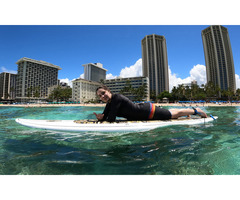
(120, 106)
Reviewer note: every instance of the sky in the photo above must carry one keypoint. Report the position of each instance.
(117, 47)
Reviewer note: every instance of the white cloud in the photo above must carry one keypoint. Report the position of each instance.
(198, 73)
(69, 82)
(81, 76)
(237, 81)
(4, 69)
(132, 71)
(66, 80)
(174, 80)
(110, 76)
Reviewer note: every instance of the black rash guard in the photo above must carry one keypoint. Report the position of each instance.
(121, 106)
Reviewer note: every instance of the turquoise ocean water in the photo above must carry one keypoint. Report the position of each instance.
(213, 148)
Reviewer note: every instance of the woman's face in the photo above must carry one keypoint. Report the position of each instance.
(104, 95)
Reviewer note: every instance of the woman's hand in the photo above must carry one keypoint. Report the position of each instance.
(99, 116)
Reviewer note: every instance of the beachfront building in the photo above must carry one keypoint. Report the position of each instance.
(84, 90)
(218, 57)
(34, 78)
(155, 62)
(7, 86)
(94, 72)
(118, 84)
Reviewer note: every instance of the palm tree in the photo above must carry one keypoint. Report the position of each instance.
(61, 94)
(12, 92)
(194, 90)
(102, 81)
(227, 94)
(36, 91)
(127, 88)
(238, 93)
(153, 95)
(66, 94)
(181, 92)
(174, 93)
(140, 92)
(212, 90)
(188, 92)
(29, 92)
(164, 94)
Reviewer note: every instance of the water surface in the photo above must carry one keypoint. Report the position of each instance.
(212, 148)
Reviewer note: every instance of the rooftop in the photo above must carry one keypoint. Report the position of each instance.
(41, 62)
(98, 65)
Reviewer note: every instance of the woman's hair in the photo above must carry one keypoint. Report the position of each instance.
(103, 87)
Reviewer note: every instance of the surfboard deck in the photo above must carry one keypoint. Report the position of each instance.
(118, 126)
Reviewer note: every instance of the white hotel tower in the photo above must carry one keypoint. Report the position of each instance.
(94, 72)
(155, 62)
(218, 57)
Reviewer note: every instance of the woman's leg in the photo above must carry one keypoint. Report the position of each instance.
(176, 113)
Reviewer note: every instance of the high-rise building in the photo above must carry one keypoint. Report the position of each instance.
(7, 85)
(117, 85)
(34, 78)
(155, 62)
(94, 72)
(218, 57)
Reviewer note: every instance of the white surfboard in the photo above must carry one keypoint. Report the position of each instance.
(119, 126)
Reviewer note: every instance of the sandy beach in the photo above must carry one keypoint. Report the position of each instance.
(102, 105)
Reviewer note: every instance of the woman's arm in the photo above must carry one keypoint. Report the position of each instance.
(114, 108)
(103, 116)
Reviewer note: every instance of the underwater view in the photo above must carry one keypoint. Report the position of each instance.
(206, 149)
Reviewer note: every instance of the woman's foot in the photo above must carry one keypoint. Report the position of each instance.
(198, 111)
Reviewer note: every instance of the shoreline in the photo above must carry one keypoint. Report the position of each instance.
(103, 105)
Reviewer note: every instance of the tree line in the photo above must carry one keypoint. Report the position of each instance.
(181, 92)
(138, 93)
(206, 92)
(60, 94)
